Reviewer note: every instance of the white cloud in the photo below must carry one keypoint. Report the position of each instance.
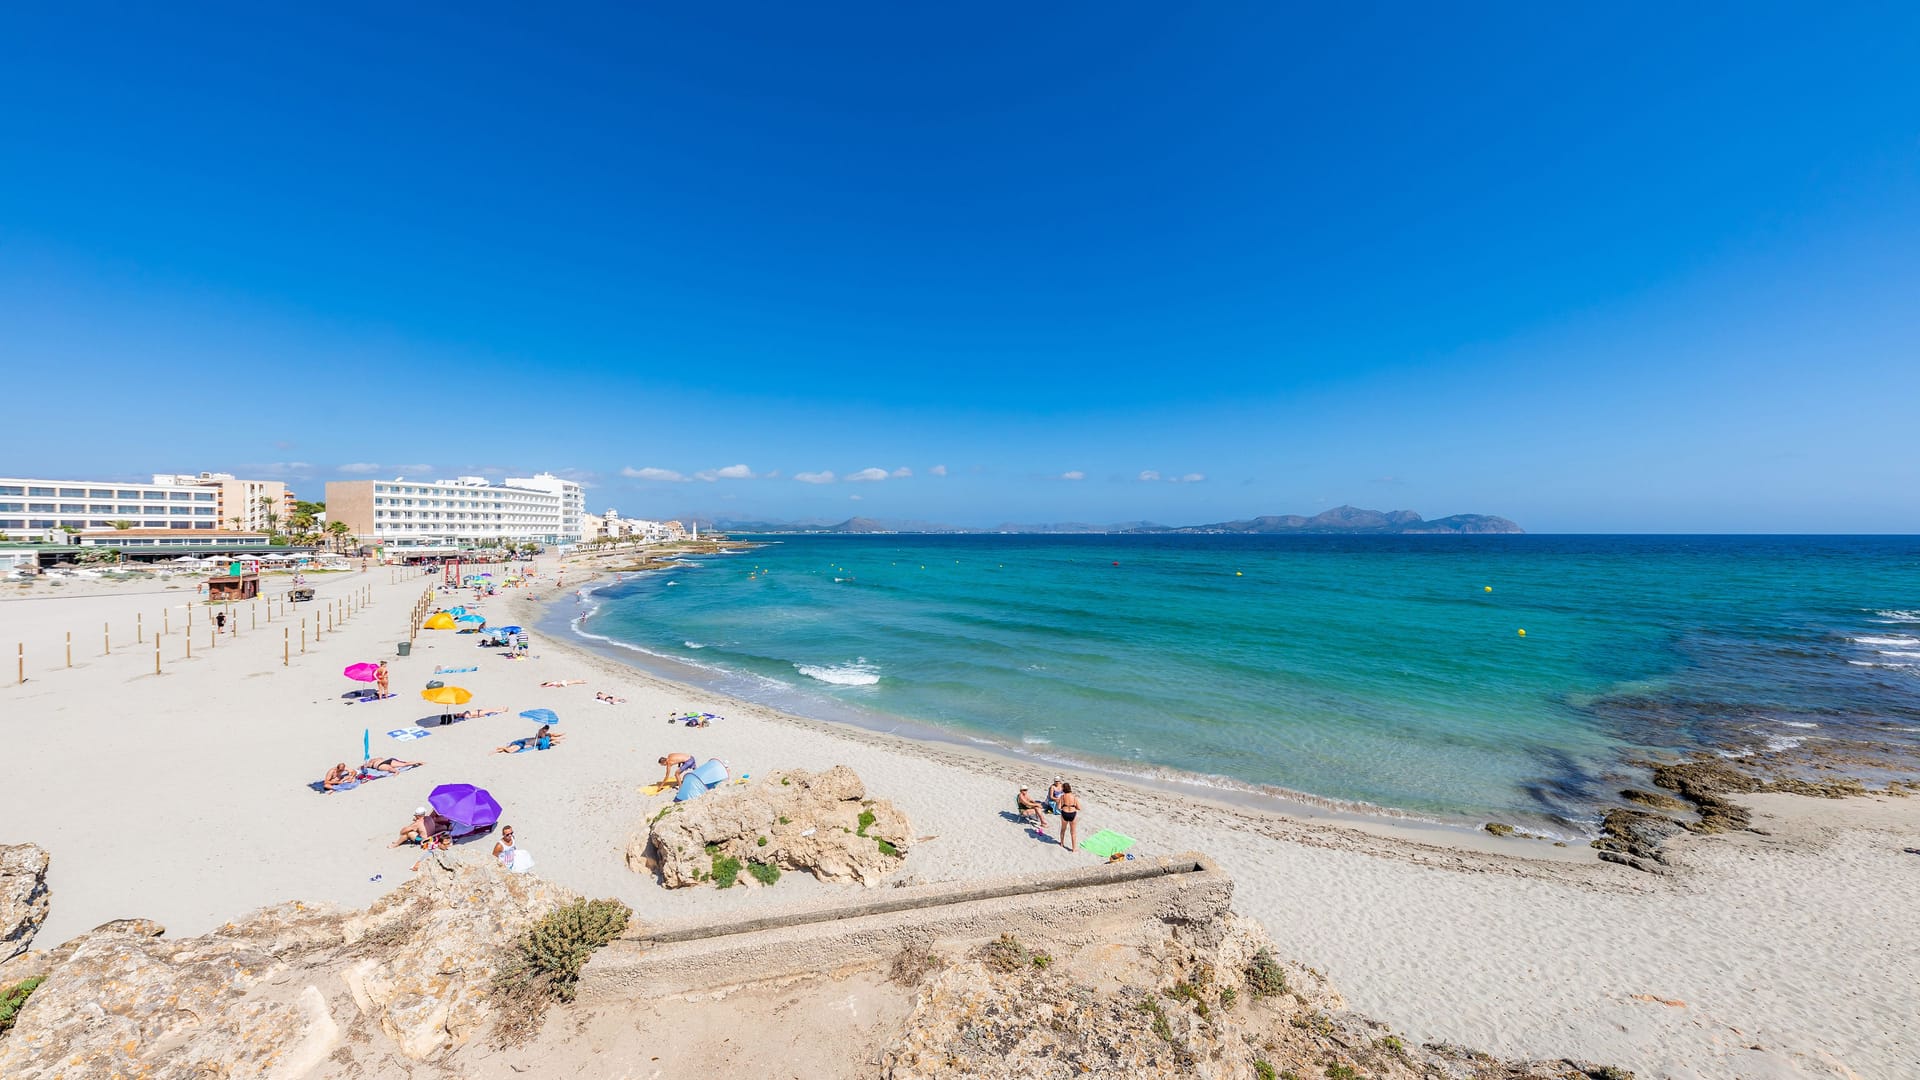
(1074, 475)
(901, 473)
(734, 472)
(361, 467)
(1149, 474)
(814, 477)
(866, 476)
(1190, 478)
(855, 498)
(938, 470)
(413, 468)
(651, 473)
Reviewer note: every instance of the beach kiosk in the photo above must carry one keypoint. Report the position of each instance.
(238, 583)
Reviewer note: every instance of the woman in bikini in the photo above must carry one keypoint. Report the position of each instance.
(1069, 810)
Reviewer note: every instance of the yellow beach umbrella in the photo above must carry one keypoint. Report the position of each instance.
(439, 621)
(448, 695)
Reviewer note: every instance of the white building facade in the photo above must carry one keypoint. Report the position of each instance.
(36, 508)
(466, 512)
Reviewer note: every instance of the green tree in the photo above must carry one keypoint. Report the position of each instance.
(121, 525)
(341, 533)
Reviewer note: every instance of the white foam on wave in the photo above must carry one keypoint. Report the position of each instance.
(1778, 743)
(693, 645)
(1899, 616)
(1904, 654)
(1898, 640)
(1795, 723)
(1035, 740)
(858, 673)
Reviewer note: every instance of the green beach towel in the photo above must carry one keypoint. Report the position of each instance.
(1106, 843)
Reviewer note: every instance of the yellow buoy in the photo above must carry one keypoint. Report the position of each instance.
(1523, 633)
(1237, 573)
(1489, 588)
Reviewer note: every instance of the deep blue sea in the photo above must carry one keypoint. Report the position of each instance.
(1385, 674)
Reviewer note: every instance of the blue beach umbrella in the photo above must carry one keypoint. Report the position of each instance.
(540, 716)
(471, 619)
(366, 744)
(509, 629)
(456, 611)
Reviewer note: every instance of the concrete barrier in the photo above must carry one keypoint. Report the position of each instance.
(1094, 904)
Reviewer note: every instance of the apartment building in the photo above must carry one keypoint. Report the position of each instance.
(249, 500)
(38, 508)
(431, 516)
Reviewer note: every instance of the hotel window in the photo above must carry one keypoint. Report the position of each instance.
(41, 508)
(203, 496)
(204, 511)
(178, 510)
(126, 494)
(41, 523)
(12, 489)
(203, 524)
(180, 496)
(73, 493)
(12, 523)
(99, 493)
(153, 524)
(17, 508)
(126, 509)
(45, 493)
(100, 508)
(154, 496)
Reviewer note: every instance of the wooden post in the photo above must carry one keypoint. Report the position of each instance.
(166, 621)
(23, 661)
(286, 646)
(303, 637)
(69, 648)
(255, 616)
(139, 629)
(156, 655)
(189, 637)
(106, 639)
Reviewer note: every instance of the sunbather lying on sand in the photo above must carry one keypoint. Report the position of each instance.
(609, 699)
(675, 764)
(388, 765)
(427, 824)
(563, 682)
(544, 739)
(473, 713)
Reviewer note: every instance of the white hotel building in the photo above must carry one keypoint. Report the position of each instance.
(428, 517)
(31, 507)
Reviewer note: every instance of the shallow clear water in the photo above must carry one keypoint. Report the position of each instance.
(1365, 670)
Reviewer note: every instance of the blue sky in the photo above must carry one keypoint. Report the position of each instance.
(1596, 270)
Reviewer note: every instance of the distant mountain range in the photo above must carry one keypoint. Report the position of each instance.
(1340, 519)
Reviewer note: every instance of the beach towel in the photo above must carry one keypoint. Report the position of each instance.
(364, 699)
(321, 786)
(1106, 843)
(453, 670)
(660, 789)
(408, 734)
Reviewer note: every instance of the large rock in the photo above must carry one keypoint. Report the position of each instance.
(275, 993)
(23, 897)
(810, 821)
(428, 989)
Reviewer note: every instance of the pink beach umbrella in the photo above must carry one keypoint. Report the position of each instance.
(362, 672)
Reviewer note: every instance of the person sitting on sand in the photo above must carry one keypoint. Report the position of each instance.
(1052, 803)
(675, 764)
(388, 765)
(562, 682)
(609, 699)
(1030, 810)
(338, 777)
(427, 824)
(504, 849)
(544, 739)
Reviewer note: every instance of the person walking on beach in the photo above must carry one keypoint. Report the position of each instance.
(380, 679)
(1069, 810)
(220, 623)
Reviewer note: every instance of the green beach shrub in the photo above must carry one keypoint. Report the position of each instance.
(1265, 976)
(543, 966)
(866, 822)
(13, 998)
(1264, 1070)
(764, 872)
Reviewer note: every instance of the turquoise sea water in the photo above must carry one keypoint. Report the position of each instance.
(1375, 671)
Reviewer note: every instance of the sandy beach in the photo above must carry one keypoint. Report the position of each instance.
(1791, 950)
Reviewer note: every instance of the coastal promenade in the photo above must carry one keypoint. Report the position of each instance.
(184, 798)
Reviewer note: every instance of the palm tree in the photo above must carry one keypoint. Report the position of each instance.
(237, 522)
(271, 517)
(121, 525)
(340, 531)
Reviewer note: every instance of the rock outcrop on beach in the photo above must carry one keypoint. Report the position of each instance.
(279, 991)
(820, 823)
(23, 897)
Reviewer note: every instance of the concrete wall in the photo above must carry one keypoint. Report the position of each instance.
(1065, 907)
(351, 501)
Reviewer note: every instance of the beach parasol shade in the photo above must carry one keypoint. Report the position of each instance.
(465, 804)
(541, 716)
(456, 612)
(448, 695)
(439, 621)
(362, 672)
(472, 619)
(509, 629)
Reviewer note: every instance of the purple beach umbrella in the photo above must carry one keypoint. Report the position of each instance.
(362, 672)
(465, 804)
